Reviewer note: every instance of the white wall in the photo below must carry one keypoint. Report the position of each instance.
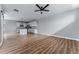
(72, 30)
(77, 20)
(10, 26)
(68, 31)
(54, 23)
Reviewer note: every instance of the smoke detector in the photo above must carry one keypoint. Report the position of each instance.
(16, 10)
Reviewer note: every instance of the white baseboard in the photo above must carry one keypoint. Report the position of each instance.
(60, 36)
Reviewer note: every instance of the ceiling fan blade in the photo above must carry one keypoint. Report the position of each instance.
(38, 6)
(41, 10)
(46, 10)
(46, 6)
(37, 10)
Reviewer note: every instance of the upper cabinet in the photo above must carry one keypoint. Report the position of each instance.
(34, 23)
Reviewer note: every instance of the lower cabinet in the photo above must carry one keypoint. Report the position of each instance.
(23, 31)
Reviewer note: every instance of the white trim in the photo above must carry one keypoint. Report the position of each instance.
(66, 37)
(1, 29)
(60, 36)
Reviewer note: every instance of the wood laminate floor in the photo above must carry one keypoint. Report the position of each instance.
(39, 44)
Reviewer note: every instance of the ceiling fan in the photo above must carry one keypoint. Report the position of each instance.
(41, 8)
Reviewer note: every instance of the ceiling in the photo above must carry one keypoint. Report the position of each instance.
(26, 11)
